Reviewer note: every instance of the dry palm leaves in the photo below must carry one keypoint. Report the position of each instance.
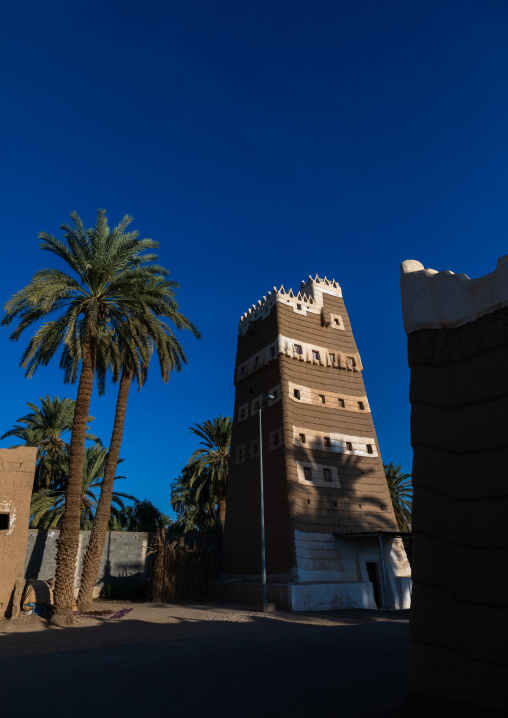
(178, 572)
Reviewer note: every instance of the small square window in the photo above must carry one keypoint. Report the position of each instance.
(315, 355)
(255, 448)
(240, 454)
(327, 473)
(242, 371)
(351, 361)
(302, 438)
(256, 361)
(297, 394)
(349, 446)
(336, 321)
(370, 450)
(272, 352)
(322, 398)
(4, 522)
(332, 358)
(276, 439)
(299, 307)
(342, 403)
(298, 348)
(256, 406)
(242, 414)
(307, 472)
(327, 441)
(275, 394)
(361, 405)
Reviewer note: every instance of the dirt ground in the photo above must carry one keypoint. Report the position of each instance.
(145, 620)
(278, 665)
(170, 640)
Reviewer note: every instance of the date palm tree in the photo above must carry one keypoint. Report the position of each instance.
(47, 427)
(111, 282)
(143, 516)
(48, 505)
(192, 516)
(206, 473)
(401, 494)
(131, 361)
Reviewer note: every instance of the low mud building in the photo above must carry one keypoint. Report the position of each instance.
(17, 470)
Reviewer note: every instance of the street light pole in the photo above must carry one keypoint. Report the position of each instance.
(265, 400)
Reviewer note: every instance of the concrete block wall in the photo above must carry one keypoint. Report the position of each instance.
(124, 560)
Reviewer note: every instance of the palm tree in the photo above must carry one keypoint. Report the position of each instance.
(113, 286)
(143, 516)
(129, 359)
(401, 494)
(192, 516)
(206, 474)
(46, 427)
(48, 505)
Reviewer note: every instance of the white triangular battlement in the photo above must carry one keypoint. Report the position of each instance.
(316, 286)
(309, 298)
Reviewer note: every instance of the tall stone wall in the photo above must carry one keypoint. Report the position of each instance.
(458, 354)
(17, 469)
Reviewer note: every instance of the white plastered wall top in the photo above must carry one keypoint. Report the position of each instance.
(434, 300)
(287, 346)
(309, 298)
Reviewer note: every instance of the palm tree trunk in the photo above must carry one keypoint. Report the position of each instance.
(222, 504)
(68, 542)
(100, 526)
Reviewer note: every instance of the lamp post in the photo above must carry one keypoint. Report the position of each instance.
(265, 401)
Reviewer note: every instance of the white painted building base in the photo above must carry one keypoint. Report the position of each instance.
(330, 596)
(332, 572)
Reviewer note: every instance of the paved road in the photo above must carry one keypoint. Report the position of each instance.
(352, 671)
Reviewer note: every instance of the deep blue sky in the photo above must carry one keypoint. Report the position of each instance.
(258, 142)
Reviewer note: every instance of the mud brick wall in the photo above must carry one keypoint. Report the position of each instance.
(459, 433)
(17, 469)
(320, 396)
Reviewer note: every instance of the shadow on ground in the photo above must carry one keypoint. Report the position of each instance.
(218, 661)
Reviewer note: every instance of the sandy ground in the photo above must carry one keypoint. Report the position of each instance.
(335, 664)
(213, 659)
(31, 634)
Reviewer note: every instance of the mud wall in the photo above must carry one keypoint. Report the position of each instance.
(17, 469)
(459, 433)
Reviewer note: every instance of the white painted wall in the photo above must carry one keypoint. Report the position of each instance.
(337, 569)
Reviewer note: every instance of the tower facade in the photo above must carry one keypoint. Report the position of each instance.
(331, 534)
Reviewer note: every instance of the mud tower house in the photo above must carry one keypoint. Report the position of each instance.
(17, 470)
(331, 535)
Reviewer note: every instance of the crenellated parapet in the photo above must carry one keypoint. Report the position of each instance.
(308, 299)
(316, 287)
